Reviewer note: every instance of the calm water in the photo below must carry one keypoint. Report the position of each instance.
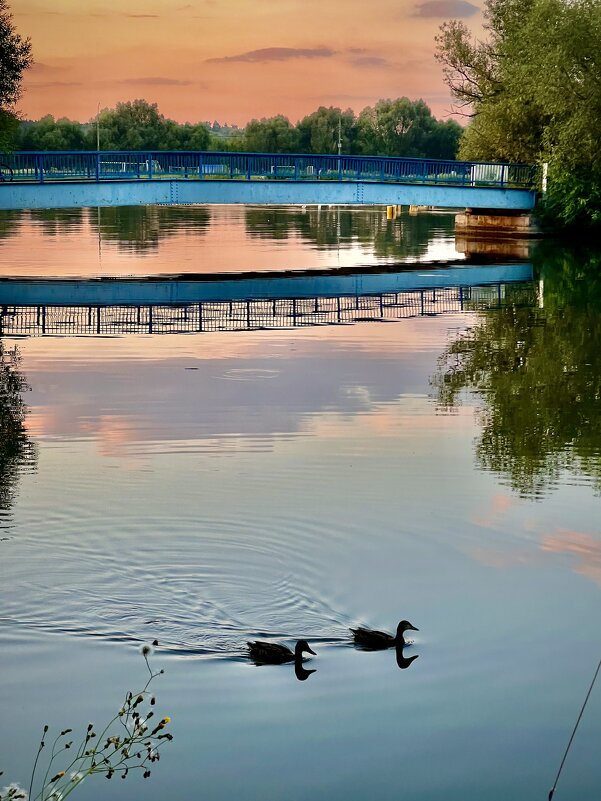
(207, 489)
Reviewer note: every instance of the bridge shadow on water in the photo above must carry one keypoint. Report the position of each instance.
(249, 302)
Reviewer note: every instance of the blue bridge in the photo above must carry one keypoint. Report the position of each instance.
(123, 178)
(188, 304)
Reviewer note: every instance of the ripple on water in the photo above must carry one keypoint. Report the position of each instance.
(226, 581)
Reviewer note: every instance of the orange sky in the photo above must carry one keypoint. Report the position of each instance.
(232, 60)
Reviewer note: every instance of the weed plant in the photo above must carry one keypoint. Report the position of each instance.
(131, 741)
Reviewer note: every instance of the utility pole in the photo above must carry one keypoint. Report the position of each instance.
(339, 146)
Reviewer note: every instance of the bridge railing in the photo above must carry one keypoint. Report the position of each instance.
(253, 315)
(41, 167)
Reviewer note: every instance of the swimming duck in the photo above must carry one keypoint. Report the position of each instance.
(274, 654)
(369, 638)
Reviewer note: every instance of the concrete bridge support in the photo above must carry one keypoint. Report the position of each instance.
(496, 224)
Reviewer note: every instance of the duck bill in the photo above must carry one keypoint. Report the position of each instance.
(412, 628)
(310, 650)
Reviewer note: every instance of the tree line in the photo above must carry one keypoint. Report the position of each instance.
(400, 127)
(530, 91)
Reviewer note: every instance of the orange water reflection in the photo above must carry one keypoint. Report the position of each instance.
(154, 240)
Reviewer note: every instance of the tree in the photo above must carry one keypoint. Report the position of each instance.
(398, 128)
(15, 57)
(271, 135)
(50, 134)
(9, 129)
(318, 132)
(135, 125)
(404, 127)
(393, 127)
(138, 125)
(193, 137)
(533, 90)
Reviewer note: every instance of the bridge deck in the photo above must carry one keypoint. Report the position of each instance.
(59, 179)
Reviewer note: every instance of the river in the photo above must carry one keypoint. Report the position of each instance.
(292, 479)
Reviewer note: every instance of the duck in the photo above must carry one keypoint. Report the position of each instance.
(368, 638)
(269, 653)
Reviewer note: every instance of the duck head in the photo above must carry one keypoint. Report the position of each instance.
(404, 626)
(303, 647)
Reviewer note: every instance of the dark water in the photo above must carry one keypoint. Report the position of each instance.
(207, 489)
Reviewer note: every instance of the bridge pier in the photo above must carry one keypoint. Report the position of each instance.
(489, 249)
(496, 224)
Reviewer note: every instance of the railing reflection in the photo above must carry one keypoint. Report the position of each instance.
(252, 314)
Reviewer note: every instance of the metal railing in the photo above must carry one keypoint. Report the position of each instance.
(252, 315)
(41, 167)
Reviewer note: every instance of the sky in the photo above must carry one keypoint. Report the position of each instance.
(232, 60)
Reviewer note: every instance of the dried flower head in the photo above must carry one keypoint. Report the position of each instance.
(13, 792)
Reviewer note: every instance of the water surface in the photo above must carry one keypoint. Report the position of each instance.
(210, 488)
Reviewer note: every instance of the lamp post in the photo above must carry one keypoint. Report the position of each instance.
(98, 127)
(339, 145)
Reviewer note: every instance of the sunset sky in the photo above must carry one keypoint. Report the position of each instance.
(235, 60)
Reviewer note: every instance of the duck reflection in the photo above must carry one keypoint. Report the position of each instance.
(268, 653)
(402, 661)
(301, 672)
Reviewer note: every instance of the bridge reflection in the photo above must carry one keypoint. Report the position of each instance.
(128, 306)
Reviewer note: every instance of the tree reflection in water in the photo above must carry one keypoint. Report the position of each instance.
(329, 227)
(141, 229)
(16, 448)
(536, 364)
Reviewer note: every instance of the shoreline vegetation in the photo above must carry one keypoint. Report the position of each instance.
(399, 127)
(529, 92)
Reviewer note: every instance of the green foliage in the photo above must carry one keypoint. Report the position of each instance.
(9, 128)
(271, 135)
(536, 365)
(396, 128)
(138, 125)
(574, 200)
(534, 89)
(51, 134)
(319, 131)
(15, 58)
(405, 128)
(193, 137)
